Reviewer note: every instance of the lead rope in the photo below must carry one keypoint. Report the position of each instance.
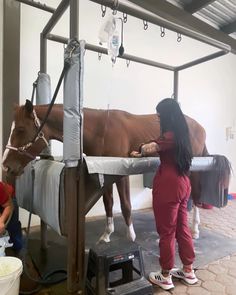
(65, 68)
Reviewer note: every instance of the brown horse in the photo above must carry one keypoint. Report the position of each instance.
(106, 133)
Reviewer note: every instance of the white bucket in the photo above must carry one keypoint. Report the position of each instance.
(10, 271)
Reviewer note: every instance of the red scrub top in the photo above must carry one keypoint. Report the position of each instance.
(6, 191)
(167, 183)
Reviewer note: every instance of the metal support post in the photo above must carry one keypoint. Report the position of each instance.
(176, 84)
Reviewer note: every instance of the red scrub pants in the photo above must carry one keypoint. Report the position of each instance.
(170, 210)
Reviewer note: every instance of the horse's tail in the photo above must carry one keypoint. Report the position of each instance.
(221, 165)
(215, 182)
(223, 169)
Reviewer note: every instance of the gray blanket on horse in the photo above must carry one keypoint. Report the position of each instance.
(41, 188)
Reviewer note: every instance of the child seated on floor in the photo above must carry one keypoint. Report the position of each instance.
(9, 217)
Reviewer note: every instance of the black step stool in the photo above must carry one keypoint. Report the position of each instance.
(116, 268)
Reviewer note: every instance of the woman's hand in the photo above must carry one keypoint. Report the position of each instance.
(135, 154)
(149, 149)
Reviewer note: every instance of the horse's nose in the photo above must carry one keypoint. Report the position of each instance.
(5, 168)
(8, 171)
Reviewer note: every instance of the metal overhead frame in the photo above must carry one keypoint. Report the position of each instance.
(129, 57)
(174, 14)
(75, 195)
(146, 12)
(137, 12)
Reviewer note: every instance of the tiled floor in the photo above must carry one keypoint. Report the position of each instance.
(218, 277)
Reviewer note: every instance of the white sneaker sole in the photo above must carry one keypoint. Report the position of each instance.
(164, 287)
(187, 281)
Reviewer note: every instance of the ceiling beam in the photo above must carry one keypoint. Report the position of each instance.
(178, 16)
(229, 28)
(196, 5)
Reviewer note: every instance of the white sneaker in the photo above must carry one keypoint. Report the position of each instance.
(189, 277)
(164, 282)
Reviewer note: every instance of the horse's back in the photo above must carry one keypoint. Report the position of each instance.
(117, 132)
(197, 136)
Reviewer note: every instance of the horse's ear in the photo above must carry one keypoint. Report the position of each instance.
(15, 106)
(28, 106)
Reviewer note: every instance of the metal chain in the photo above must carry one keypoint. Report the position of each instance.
(162, 32)
(145, 25)
(179, 37)
(125, 17)
(103, 9)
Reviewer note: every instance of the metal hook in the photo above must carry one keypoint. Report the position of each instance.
(99, 55)
(115, 7)
(103, 9)
(127, 62)
(113, 59)
(125, 17)
(162, 32)
(179, 37)
(145, 25)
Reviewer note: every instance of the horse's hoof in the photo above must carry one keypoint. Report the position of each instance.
(131, 235)
(104, 238)
(195, 236)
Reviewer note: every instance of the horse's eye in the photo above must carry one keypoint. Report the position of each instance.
(19, 129)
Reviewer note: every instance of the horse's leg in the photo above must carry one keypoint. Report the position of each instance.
(124, 194)
(108, 204)
(195, 183)
(195, 222)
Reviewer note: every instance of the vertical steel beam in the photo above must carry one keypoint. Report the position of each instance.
(43, 54)
(74, 19)
(75, 195)
(176, 84)
(71, 188)
(47, 29)
(11, 64)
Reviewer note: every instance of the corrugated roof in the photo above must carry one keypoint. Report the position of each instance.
(220, 14)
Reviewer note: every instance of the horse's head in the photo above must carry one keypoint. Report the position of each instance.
(25, 141)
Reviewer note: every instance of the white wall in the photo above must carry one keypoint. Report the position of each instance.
(206, 91)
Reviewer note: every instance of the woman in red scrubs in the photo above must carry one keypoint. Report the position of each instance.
(171, 191)
(9, 216)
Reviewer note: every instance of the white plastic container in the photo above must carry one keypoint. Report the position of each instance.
(113, 45)
(10, 272)
(107, 29)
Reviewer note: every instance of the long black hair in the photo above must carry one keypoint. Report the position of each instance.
(172, 119)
